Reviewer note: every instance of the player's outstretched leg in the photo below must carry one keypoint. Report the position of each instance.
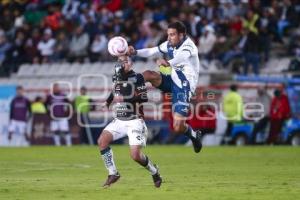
(137, 155)
(153, 77)
(108, 158)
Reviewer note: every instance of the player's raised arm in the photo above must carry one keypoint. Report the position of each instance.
(147, 52)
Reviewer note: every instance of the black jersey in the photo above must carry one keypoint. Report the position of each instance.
(133, 89)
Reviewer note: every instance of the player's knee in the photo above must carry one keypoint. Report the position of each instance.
(103, 141)
(178, 129)
(149, 75)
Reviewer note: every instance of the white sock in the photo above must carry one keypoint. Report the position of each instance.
(68, 139)
(108, 159)
(150, 167)
(56, 140)
(190, 132)
(193, 133)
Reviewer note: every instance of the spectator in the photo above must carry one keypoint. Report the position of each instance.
(79, 45)
(6, 21)
(252, 52)
(207, 42)
(228, 9)
(265, 100)
(265, 31)
(4, 48)
(229, 48)
(38, 106)
(91, 27)
(53, 19)
(17, 55)
(155, 36)
(61, 47)
(287, 17)
(251, 22)
(19, 114)
(46, 46)
(19, 19)
(58, 110)
(233, 108)
(31, 46)
(279, 112)
(98, 49)
(70, 9)
(82, 104)
(236, 24)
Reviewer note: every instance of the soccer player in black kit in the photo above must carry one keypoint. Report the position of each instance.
(129, 93)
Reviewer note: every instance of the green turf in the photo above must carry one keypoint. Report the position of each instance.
(216, 173)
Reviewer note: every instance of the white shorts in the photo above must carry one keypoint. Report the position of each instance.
(17, 127)
(59, 125)
(135, 129)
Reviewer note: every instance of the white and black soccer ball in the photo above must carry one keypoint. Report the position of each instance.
(117, 46)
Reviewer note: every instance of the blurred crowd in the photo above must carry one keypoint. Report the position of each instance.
(47, 31)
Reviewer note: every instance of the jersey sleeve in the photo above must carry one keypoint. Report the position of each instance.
(147, 52)
(163, 47)
(189, 48)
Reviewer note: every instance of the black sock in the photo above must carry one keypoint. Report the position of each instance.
(188, 132)
(102, 152)
(146, 161)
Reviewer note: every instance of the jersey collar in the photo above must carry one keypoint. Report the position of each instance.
(181, 42)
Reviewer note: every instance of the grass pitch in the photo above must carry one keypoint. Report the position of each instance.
(216, 173)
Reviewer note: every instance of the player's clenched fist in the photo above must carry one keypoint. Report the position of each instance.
(131, 51)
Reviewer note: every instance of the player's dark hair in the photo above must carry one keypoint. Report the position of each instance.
(38, 98)
(233, 87)
(179, 26)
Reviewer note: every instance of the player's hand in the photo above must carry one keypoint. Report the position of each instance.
(131, 51)
(163, 62)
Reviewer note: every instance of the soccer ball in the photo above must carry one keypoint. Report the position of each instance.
(117, 46)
